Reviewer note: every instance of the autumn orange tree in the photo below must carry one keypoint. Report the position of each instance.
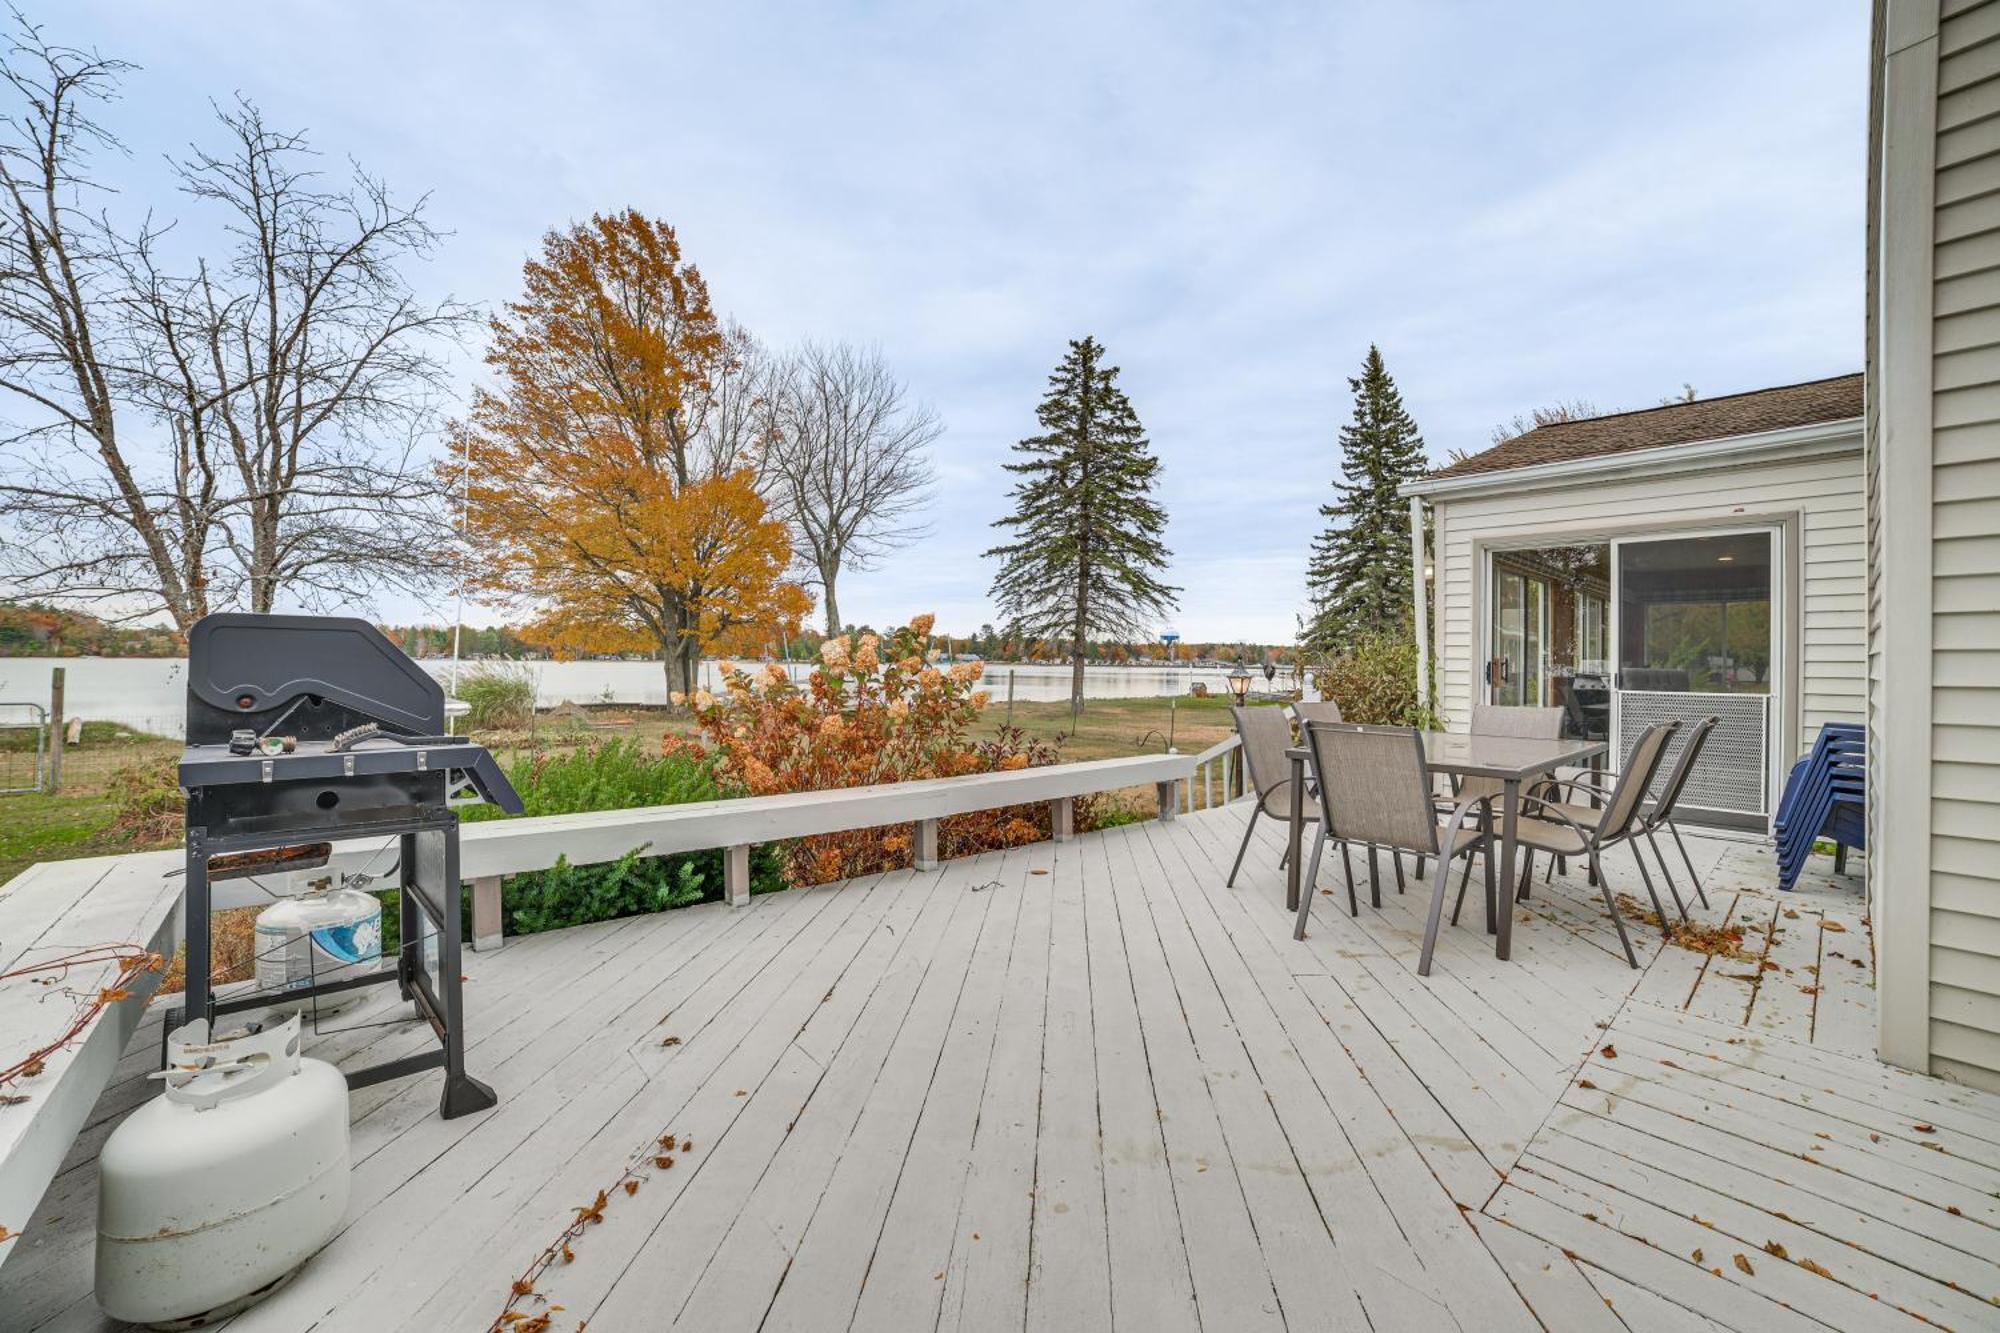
(607, 493)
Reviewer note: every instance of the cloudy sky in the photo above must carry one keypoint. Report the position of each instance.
(1519, 203)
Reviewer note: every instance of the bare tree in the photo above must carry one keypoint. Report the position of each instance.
(1575, 409)
(87, 514)
(849, 463)
(250, 430)
(305, 368)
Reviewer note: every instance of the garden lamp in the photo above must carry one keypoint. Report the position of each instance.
(1239, 683)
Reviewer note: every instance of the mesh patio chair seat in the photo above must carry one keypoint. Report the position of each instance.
(1545, 827)
(1375, 790)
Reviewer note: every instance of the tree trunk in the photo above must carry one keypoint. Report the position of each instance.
(826, 578)
(1076, 679)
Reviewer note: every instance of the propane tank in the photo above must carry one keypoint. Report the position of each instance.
(328, 934)
(215, 1192)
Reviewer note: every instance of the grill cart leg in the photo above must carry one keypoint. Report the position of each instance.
(195, 908)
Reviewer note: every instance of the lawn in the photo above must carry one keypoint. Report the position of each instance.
(35, 827)
(78, 822)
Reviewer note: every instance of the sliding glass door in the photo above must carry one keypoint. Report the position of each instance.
(1519, 665)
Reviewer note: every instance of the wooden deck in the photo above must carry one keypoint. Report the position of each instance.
(1084, 1086)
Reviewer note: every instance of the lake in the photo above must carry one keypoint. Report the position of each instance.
(150, 693)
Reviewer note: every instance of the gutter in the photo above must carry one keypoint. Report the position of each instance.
(1824, 437)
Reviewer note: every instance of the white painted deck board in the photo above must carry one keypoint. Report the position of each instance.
(1116, 1094)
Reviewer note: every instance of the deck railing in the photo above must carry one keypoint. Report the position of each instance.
(491, 850)
(1217, 776)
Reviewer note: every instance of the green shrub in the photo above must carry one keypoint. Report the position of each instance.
(615, 775)
(147, 797)
(1374, 680)
(500, 697)
(1110, 812)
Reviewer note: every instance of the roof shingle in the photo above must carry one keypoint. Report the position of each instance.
(1750, 413)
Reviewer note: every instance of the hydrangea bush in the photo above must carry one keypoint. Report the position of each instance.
(875, 710)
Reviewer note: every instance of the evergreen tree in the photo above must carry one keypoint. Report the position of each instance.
(1086, 533)
(1359, 571)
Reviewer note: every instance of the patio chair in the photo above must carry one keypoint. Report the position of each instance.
(1375, 789)
(1660, 814)
(1328, 710)
(1267, 734)
(1526, 722)
(1316, 710)
(1573, 830)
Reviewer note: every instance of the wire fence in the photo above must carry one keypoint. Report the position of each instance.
(24, 738)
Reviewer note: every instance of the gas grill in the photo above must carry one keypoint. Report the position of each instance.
(308, 731)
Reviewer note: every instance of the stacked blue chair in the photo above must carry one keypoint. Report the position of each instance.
(1825, 797)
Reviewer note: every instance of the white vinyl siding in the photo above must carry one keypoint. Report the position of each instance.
(1965, 552)
(1821, 493)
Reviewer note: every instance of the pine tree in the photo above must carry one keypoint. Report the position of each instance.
(1359, 571)
(1086, 533)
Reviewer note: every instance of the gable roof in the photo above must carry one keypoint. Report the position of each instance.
(1752, 413)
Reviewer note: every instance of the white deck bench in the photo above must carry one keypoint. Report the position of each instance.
(48, 911)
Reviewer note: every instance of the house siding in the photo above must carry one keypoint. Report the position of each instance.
(1965, 550)
(1823, 493)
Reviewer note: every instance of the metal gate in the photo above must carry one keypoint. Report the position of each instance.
(24, 745)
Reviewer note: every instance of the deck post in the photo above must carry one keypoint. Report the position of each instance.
(736, 875)
(1062, 818)
(926, 845)
(1169, 796)
(488, 922)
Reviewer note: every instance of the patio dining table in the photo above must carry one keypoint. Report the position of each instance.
(1512, 760)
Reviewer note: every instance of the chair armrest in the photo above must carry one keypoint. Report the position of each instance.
(1556, 816)
(1448, 838)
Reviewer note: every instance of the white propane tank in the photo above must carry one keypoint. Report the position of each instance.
(213, 1193)
(326, 935)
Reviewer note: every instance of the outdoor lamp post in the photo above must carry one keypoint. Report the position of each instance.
(1239, 683)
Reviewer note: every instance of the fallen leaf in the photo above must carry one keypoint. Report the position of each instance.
(1951, 1208)
(523, 1287)
(670, 1041)
(667, 1142)
(594, 1213)
(1771, 1247)
(568, 1255)
(687, 1146)
(1696, 1256)
(1032, 872)
(1833, 926)
(1812, 1267)
(1585, 1083)
(32, 1068)
(1874, 1138)
(1925, 1129)
(631, 1187)
(1744, 1264)
(1609, 1052)
(664, 1162)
